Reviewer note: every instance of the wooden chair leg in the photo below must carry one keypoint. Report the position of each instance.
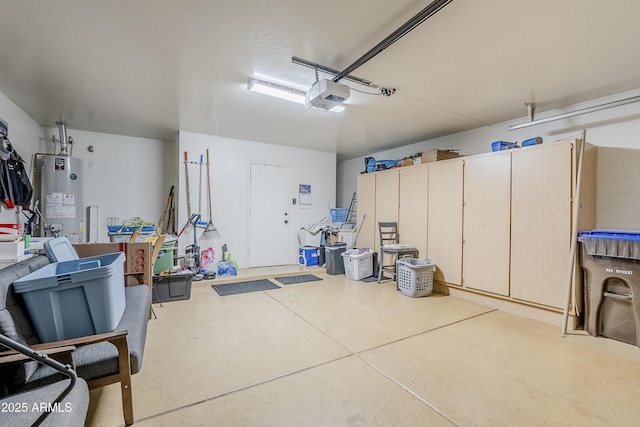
(125, 380)
(395, 270)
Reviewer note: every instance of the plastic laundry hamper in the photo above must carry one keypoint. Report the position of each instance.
(358, 263)
(415, 276)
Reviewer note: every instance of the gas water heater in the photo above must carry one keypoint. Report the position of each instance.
(58, 182)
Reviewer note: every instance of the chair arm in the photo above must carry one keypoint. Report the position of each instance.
(65, 348)
(12, 356)
(82, 341)
(66, 370)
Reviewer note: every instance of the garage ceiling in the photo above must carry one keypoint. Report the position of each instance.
(149, 68)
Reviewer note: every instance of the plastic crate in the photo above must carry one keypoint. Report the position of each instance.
(172, 287)
(339, 214)
(358, 263)
(415, 276)
(75, 298)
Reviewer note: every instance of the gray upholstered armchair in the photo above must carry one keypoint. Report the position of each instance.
(60, 403)
(99, 359)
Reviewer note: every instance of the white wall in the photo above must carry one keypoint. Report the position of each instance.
(25, 136)
(125, 176)
(130, 176)
(616, 127)
(618, 188)
(230, 160)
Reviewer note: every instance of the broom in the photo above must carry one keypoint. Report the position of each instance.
(210, 231)
(186, 178)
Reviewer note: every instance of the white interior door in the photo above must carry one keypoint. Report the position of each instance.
(269, 215)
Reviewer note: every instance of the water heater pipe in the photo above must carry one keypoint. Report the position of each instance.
(62, 129)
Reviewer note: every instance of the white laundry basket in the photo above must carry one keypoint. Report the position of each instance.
(358, 263)
(415, 276)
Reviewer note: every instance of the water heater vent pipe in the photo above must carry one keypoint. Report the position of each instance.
(64, 147)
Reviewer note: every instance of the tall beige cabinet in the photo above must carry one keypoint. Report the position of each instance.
(397, 195)
(387, 194)
(412, 212)
(487, 222)
(444, 220)
(543, 195)
(377, 195)
(387, 202)
(366, 195)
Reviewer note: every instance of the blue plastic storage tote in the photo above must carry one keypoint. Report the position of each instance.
(75, 298)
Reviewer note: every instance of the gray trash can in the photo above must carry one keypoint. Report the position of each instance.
(611, 265)
(333, 257)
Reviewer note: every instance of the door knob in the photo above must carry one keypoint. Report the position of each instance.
(286, 221)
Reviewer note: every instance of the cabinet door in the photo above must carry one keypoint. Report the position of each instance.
(541, 223)
(444, 220)
(366, 196)
(387, 192)
(487, 216)
(412, 214)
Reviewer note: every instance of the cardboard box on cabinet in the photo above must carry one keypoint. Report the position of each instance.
(435, 155)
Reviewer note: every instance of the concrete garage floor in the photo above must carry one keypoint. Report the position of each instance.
(344, 353)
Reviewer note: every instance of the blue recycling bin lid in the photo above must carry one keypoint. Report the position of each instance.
(610, 234)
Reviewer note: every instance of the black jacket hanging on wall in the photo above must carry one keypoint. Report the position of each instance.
(15, 188)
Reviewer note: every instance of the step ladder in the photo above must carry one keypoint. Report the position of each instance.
(352, 216)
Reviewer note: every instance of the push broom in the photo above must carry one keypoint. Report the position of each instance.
(210, 231)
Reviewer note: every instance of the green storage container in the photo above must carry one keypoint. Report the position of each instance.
(165, 258)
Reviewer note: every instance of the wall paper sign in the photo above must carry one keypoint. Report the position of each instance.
(304, 194)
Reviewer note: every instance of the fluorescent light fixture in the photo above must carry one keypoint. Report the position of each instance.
(282, 92)
(577, 112)
(276, 90)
